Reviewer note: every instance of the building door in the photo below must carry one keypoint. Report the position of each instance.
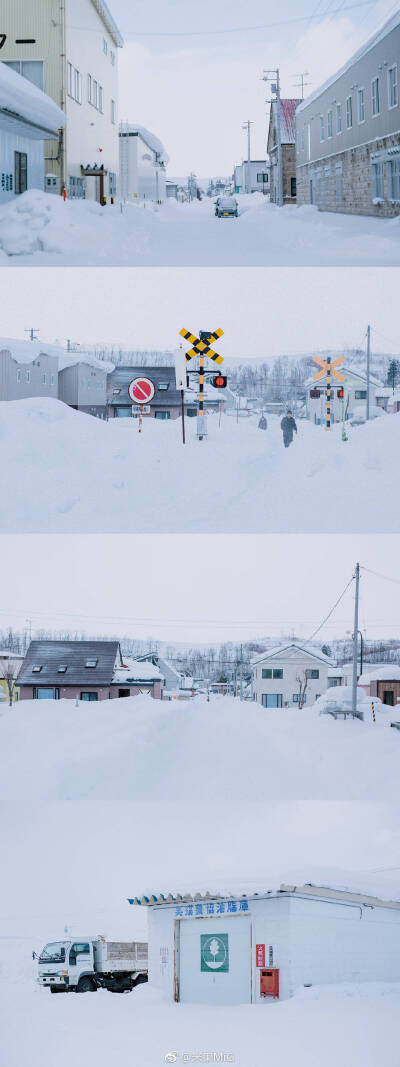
(215, 960)
(311, 192)
(124, 692)
(21, 172)
(388, 697)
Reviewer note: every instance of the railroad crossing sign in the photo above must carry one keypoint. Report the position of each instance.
(141, 390)
(200, 347)
(328, 368)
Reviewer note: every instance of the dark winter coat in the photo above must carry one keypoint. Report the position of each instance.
(262, 425)
(288, 424)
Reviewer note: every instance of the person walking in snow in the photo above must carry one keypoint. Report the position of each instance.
(262, 425)
(288, 425)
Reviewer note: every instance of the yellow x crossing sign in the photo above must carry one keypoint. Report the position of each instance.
(328, 368)
(202, 348)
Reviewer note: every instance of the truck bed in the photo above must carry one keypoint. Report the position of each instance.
(121, 956)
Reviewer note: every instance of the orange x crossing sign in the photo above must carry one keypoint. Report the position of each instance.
(328, 368)
(201, 348)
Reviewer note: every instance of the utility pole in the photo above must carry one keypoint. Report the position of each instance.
(368, 368)
(241, 672)
(273, 76)
(247, 126)
(33, 331)
(355, 641)
(304, 74)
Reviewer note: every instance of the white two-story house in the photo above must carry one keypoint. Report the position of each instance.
(70, 51)
(288, 676)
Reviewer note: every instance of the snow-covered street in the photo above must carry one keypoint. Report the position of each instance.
(66, 472)
(41, 230)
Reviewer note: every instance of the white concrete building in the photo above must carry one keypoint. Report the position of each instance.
(289, 676)
(27, 117)
(217, 948)
(142, 162)
(352, 392)
(70, 50)
(259, 176)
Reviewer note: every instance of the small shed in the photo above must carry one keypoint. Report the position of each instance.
(252, 948)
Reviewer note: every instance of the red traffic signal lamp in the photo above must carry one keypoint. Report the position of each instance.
(219, 382)
(340, 393)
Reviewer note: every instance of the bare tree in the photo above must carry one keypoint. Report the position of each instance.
(9, 670)
(302, 681)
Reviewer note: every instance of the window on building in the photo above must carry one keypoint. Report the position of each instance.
(89, 696)
(349, 112)
(376, 103)
(163, 386)
(378, 184)
(100, 97)
(46, 692)
(62, 668)
(21, 172)
(19, 376)
(277, 672)
(295, 698)
(321, 128)
(74, 83)
(36, 668)
(338, 118)
(44, 379)
(394, 178)
(77, 189)
(361, 105)
(28, 376)
(393, 92)
(293, 187)
(266, 672)
(162, 415)
(112, 57)
(113, 112)
(360, 394)
(330, 123)
(105, 46)
(91, 663)
(31, 69)
(51, 379)
(312, 674)
(272, 700)
(112, 183)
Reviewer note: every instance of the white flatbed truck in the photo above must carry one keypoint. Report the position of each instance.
(85, 964)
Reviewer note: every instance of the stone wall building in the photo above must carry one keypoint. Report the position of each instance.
(348, 133)
(288, 142)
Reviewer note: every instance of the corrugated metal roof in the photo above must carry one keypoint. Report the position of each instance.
(50, 655)
(288, 122)
(122, 376)
(308, 889)
(278, 649)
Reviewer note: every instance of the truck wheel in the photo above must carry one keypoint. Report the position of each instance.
(85, 985)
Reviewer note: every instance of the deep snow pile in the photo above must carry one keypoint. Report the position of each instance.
(38, 229)
(64, 471)
(101, 801)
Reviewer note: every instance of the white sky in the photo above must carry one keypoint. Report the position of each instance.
(202, 588)
(194, 87)
(264, 312)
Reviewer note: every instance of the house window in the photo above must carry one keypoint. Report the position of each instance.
(21, 172)
(266, 672)
(105, 46)
(360, 394)
(376, 104)
(277, 673)
(312, 674)
(36, 668)
(46, 692)
(394, 178)
(62, 668)
(378, 181)
(338, 118)
(349, 112)
(361, 105)
(112, 186)
(28, 376)
(330, 123)
(18, 377)
(113, 112)
(321, 128)
(74, 83)
(272, 700)
(44, 379)
(91, 663)
(163, 386)
(393, 95)
(76, 188)
(162, 415)
(89, 696)
(293, 187)
(31, 69)
(51, 379)
(295, 698)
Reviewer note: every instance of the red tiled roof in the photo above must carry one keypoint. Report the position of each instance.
(288, 125)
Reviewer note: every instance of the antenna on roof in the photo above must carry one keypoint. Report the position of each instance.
(33, 331)
(302, 83)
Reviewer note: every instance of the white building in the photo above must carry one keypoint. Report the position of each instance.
(69, 50)
(27, 117)
(289, 676)
(352, 393)
(215, 948)
(259, 176)
(142, 161)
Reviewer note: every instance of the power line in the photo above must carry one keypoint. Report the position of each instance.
(385, 577)
(332, 609)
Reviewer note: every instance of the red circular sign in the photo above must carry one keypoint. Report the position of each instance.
(141, 390)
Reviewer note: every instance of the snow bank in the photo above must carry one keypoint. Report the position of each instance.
(389, 671)
(20, 97)
(37, 229)
(106, 477)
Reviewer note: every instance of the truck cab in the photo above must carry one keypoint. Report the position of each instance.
(63, 964)
(86, 964)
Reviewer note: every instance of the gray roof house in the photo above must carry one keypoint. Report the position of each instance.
(87, 670)
(166, 403)
(348, 132)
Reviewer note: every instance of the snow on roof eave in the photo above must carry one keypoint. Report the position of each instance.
(105, 14)
(378, 36)
(277, 649)
(309, 889)
(43, 132)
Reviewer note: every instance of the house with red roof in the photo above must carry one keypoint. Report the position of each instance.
(288, 142)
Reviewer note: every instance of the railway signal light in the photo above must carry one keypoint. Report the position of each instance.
(219, 382)
(340, 393)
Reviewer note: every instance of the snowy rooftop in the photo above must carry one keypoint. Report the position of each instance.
(149, 139)
(20, 98)
(278, 649)
(390, 672)
(27, 351)
(137, 671)
(378, 36)
(352, 892)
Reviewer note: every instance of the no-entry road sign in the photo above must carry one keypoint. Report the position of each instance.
(141, 390)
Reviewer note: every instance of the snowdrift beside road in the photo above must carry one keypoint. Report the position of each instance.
(65, 472)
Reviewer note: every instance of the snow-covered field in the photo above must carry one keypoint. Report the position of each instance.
(86, 823)
(41, 230)
(66, 472)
